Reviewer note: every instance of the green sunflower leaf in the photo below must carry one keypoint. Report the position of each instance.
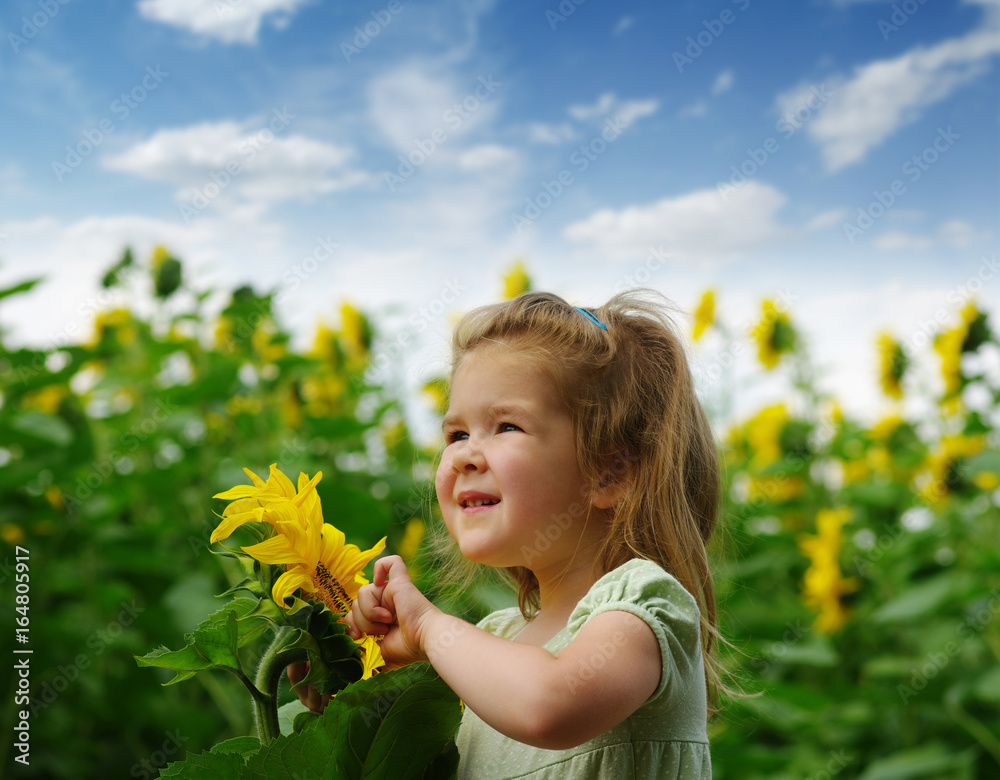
(223, 765)
(399, 725)
(213, 644)
(334, 658)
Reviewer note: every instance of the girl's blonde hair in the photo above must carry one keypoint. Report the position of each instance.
(638, 423)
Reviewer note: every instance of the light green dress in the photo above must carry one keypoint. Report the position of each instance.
(664, 738)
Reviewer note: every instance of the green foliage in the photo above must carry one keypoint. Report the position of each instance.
(398, 725)
(872, 637)
(110, 450)
(390, 727)
(858, 577)
(216, 642)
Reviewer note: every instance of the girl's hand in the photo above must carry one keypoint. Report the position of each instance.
(392, 606)
(308, 695)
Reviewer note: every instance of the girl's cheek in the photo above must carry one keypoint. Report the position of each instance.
(443, 481)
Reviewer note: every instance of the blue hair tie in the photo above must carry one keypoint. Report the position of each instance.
(592, 318)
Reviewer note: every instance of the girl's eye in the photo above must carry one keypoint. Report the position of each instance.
(504, 427)
(452, 436)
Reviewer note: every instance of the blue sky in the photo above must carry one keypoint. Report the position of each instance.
(844, 152)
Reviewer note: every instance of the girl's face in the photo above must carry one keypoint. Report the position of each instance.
(509, 486)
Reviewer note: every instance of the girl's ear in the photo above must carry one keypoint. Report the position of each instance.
(613, 483)
(606, 496)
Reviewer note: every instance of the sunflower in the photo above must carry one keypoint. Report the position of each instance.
(946, 474)
(516, 280)
(315, 554)
(774, 335)
(371, 656)
(322, 565)
(823, 584)
(763, 432)
(893, 363)
(968, 336)
(704, 314)
(263, 501)
(356, 336)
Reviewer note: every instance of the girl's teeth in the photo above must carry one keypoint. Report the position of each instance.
(480, 502)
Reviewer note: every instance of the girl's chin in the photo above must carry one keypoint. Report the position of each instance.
(484, 557)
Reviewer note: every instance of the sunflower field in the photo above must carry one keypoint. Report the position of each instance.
(857, 564)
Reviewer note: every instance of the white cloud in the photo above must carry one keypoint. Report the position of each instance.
(631, 110)
(411, 103)
(697, 109)
(883, 96)
(597, 110)
(74, 255)
(698, 225)
(826, 219)
(243, 164)
(230, 21)
(723, 82)
(623, 24)
(609, 105)
(541, 133)
(487, 156)
(954, 234)
(14, 183)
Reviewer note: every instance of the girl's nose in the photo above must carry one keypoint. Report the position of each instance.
(468, 458)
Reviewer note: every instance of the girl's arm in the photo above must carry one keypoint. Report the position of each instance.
(525, 692)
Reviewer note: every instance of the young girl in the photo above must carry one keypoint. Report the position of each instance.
(579, 460)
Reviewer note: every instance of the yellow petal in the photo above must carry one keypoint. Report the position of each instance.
(240, 505)
(371, 656)
(345, 561)
(307, 490)
(283, 511)
(240, 491)
(333, 540)
(288, 583)
(274, 550)
(254, 478)
(231, 523)
(278, 481)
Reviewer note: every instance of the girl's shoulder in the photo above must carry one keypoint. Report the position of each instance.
(505, 623)
(650, 592)
(646, 590)
(640, 581)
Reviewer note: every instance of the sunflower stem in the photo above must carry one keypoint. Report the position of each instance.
(268, 677)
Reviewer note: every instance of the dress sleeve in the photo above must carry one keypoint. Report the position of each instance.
(503, 623)
(647, 591)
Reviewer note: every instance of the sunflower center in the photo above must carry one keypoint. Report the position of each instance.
(331, 592)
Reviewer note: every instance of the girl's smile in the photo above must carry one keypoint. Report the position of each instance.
(471, 500)
(509, 487)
